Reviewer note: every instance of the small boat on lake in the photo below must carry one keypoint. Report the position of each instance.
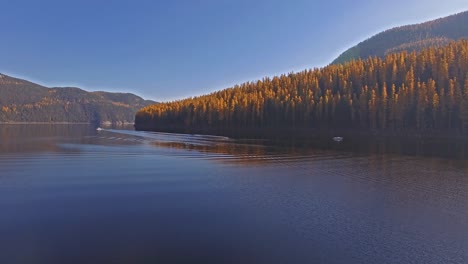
(337, 139)
(99, 129)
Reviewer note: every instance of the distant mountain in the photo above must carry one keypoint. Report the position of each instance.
(436, 33)
(24, 101)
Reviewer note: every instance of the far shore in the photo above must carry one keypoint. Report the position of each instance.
(308, 133)
(45, 123)
(67, 123)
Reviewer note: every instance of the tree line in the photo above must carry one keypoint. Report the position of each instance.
(425, 91)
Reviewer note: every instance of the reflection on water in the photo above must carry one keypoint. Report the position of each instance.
(37, 138)
(71, 194)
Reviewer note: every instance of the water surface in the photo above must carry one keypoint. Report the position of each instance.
(71, 194)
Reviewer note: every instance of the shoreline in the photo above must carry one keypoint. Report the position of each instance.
(67, 123)
(309, 133)
(45, 123)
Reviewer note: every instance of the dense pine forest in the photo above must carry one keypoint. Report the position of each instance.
(435, 33)
(424, 93)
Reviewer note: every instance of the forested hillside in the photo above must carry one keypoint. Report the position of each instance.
(23, 101)
(424, 92)
(435, 33)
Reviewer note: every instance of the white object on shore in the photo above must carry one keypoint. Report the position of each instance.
(337, 139)
(99, 129)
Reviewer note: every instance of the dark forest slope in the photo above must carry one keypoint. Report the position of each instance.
(23, 101)
(436, 33)
(419, 93)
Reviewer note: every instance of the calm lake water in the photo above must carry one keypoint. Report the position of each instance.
(71, 194)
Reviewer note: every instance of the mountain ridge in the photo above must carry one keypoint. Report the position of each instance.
(437, 32)
(22, 101)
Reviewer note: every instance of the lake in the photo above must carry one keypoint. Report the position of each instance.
(72, 194)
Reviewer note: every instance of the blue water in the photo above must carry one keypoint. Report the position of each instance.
(71, 194)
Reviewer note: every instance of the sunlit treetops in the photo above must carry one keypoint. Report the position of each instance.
(425, 91)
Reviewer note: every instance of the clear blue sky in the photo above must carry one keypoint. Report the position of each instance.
(165, 50)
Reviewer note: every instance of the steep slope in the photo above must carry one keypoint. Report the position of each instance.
(436, 33)
(24, 101)
(423, 93)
